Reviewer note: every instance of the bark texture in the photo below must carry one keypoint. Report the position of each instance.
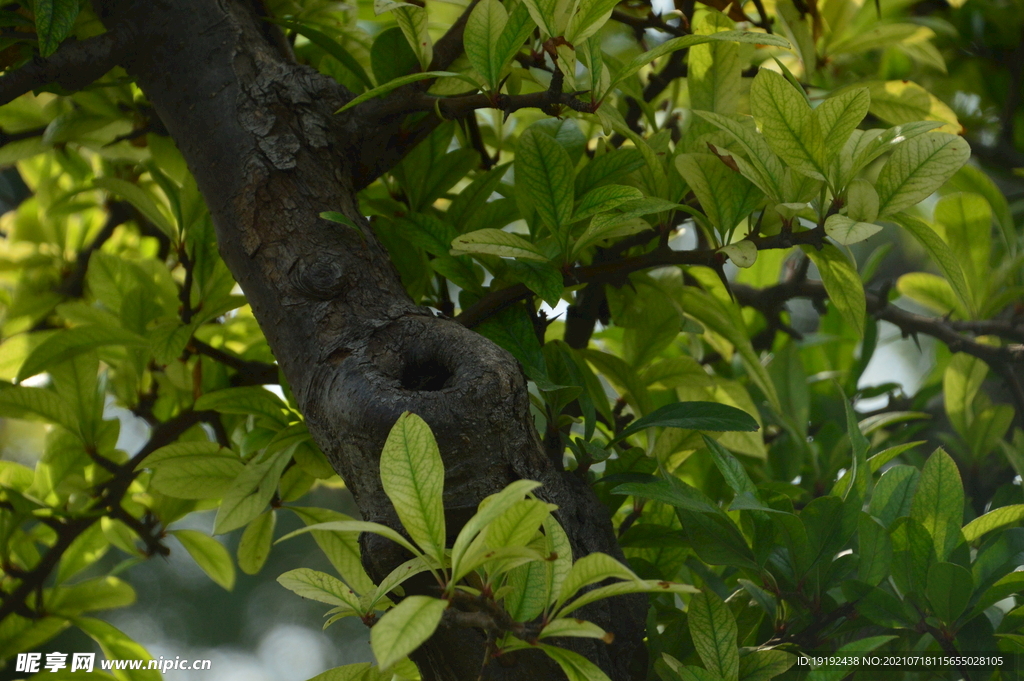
(259, 133)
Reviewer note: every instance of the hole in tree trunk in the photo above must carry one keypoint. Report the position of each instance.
(425, 375)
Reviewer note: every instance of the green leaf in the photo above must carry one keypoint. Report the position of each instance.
(949, 590)
(575, 666)
(328, 45)
(512, 329)
(341, 548)
(961, 382)
(995, 519)
(917, 168)
(861, 201)
(846, 231)
(685, 41)
(762, 166)
(725, 195)
(496, 242)
(356, 526)
(141, 199)
(588, 20)
(713, 629)
(319, 586)
(99, 593)
(693, 416)
(481, 37)
(361, 671)
(842, 283)
(413, 478)
(574, 627)
(713, 69)
(540, 277)
(967, 219)
(210, 555)
(971, 179)
(654, 586)
(193, 470)
(251, 399)
(545, 173)
(489, 510)
(940, 253)
(788, 124)
(72, 342)
(730, 468)
(115, 645)
(254, 546)
(893, 493)
(592, 568)
(413, 22)
(839, 116)
(902, 101)
(939, 502)
(404, 80)
(54, 21)
(874, 549)
(741, 253)
(763, 665)
(251, 492)
(608, 168)
(403, 628)
(38, 403)
(518, 28)
(603, 199)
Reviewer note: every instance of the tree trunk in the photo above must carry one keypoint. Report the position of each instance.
(260, 135)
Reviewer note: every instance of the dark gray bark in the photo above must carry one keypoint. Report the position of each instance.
(260, 135)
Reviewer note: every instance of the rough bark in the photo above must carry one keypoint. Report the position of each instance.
(260, 135)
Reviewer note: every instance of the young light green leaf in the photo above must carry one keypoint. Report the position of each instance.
(788, 124)
(847, 231)
(404, 80)
(574, 627)
(995, 519)
(413, 22)
(940, 253)
(254, 546)
(138, 197)
(861, 201)
(685, 41)
(496, 242)
(839, 116)
(742, 253)
(967, 219)
(490, 508)
(588, 20)
(517, 30)
(210, 555)
(341, 548)
(403, 628)
(356, 526)
(917, 168)
(960, 385)
(545, 173)
(413, 478)
(939, 502)
(54, 21)
(600, 229)
(575, 666)
(725, 195)
(843, 284)
(482, 36)
(401, 573)
(714, 633)
(592, 568)
(251, 492)
(903, 101)
(762, 166)
(713, 69)
(319, 586)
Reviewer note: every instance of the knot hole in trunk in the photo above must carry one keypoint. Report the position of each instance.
(426, 375)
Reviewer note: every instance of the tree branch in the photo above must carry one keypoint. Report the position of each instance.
(74, 65)
(248, 372)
